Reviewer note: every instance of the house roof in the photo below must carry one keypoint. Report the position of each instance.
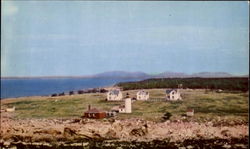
(115, 108)
(190, 110)
(121, 106)
(114, 92)
(169, 91)
(142, 92)
(94, 110)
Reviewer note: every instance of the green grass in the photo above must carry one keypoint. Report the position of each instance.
(205, 104)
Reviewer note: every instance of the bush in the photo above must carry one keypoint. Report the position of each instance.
(167, 116)
(53, 95)
(80, 92)
(71, 92)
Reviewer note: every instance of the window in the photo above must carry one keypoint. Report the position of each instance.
(172, 96)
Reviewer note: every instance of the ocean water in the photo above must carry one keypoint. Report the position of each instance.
(42, 87)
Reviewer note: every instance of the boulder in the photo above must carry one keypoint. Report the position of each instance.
(69, 132)
(138, 132)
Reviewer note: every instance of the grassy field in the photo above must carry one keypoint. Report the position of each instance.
(207, 105)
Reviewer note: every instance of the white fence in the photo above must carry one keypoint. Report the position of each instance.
(156, 99)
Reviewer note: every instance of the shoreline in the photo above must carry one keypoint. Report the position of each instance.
(85, 91)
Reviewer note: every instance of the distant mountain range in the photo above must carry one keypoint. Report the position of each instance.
(142, 75)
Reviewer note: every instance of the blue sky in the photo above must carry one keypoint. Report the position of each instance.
(63, 38)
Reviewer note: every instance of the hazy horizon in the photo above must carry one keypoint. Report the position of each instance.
(91, 75)
(80, 38)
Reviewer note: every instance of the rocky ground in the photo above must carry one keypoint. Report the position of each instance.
(111, 133)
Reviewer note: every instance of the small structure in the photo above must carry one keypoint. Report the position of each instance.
(219, 91)
(110, 114)
(114, 95)
(94, 113)
(142, 95)
(173, 95)
(10, 109)
(115, 109)
(190, 112)
(122, 109)
(127, 108)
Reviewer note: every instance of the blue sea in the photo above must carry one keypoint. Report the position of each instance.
(43, 87)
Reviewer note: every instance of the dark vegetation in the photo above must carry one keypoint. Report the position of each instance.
(61, 94)
(232, 84)
(94, 90)
(166, 116)
(159, 144)
(71, 93)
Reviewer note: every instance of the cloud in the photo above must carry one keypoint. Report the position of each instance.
(9, 8)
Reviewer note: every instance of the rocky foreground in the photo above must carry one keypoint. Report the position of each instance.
(111, 133)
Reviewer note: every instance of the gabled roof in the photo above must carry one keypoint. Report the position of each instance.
(94, 110)
(142, 92)
(121, 106)
(115, 108)
(190, 110)
(170, 90)
(114, 92)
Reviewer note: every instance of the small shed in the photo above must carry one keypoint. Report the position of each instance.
(115, 109)
(110, 114)
(10, 109)
(94, 113)
(190, 112)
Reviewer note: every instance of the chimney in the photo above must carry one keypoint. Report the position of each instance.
(127, 95)
(89, 107)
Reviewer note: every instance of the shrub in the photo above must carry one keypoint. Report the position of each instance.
(80, 92)
(167, 116)
(71, 92)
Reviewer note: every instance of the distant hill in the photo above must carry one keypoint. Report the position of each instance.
(121, 74)
(212, 75)
(167, 74)
(142, 75)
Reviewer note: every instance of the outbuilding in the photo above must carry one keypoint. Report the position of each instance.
(190, 112)
(94, 113)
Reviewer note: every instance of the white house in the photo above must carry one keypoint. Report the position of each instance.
(173, 94)
(114, 95)
(142, 95)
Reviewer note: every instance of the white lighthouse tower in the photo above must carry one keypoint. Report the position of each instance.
(128, 107)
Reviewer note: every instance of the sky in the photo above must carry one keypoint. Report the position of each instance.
(63, 38)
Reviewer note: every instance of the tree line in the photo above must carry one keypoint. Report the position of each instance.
(234, 84)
